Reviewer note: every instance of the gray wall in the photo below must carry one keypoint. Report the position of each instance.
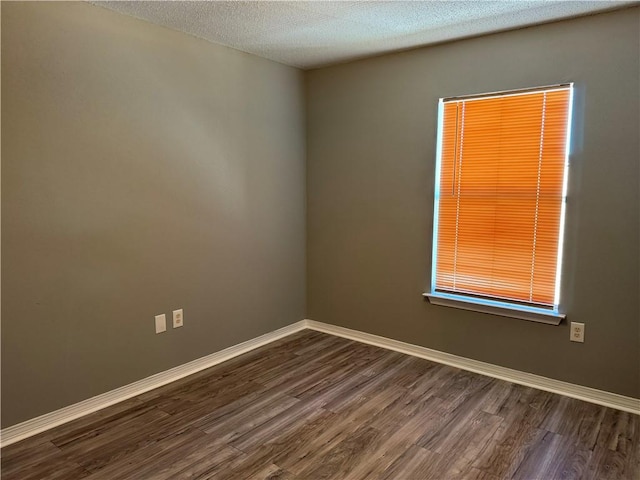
(371, 129)
(143, 170)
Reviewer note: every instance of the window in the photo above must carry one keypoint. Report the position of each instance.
(501, 180)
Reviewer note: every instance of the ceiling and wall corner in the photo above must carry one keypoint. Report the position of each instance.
(312, 34)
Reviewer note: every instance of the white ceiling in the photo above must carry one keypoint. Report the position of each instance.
(309, 34)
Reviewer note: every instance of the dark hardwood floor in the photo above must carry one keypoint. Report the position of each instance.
(313, 406)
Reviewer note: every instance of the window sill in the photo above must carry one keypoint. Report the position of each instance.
(531, 314)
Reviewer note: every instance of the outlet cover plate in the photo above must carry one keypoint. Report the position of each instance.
(178, 318)
(577, 332)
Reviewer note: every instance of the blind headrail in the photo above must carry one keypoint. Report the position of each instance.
(508, 93)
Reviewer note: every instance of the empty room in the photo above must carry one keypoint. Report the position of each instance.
(308, 240)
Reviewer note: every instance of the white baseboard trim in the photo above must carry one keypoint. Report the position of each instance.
(50, 420)
(31, 427)
(592, 395)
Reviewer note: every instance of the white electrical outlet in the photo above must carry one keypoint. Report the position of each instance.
(161, 323)
(178, 318)
(577, 332)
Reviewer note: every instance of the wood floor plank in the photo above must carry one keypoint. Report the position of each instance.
(156, 457)
(368, 387)
(317, 345)
(524, 410)
(319, 435)
(298, 341)
(468, 440)
(251, 418)
(320, 439)
(26, 452)
(475, 474)
(215, 373)
(454, 417)
(281, 421)
(123, 423)
(314, 406)
(293, 444)
(607, 464)
(427, 384)
(35, 461)
(280, 474)
(416, 463)
(58, 468)
(345, 456)
(106, 416)
(98, 452)
(507, 449)
(337, 351)
(554, 456)
(326, 381)
(399, 440)
(401, 410)
(496, 396)
(411, 371)
(619, 431)
(580, 421)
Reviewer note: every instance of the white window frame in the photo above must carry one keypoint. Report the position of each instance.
(505, 308)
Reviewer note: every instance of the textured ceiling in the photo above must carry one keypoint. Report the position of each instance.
(309, 34)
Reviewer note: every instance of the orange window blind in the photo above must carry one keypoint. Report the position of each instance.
(500, 195)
